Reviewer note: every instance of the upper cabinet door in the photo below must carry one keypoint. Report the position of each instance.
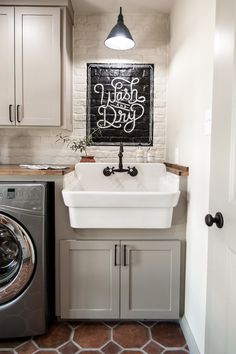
(7, 65)
(38, 66)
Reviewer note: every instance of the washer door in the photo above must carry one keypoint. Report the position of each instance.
(17, 259)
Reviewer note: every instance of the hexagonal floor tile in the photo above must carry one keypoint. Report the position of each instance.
(90, 352)
(153, 348)
(92, 335)
(111, 324)
(46, 352)
(11, 342)
(26, 348)
(175, 352)
(169, 334)
(149, 323)
(111, 348)
(74, 323)
(57, 334)
(131, 352)
(68, 348)
(131, 335)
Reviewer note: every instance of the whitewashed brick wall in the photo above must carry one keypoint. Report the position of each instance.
(151, 34)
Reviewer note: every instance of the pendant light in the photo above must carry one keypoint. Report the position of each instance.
(120, 38)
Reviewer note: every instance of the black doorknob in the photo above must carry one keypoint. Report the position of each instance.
(218, 220)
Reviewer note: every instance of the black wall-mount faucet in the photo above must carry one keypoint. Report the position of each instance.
(132, 171)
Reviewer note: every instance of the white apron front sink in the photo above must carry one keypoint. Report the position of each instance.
(120, 200)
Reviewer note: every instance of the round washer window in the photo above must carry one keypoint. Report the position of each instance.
(17, 259)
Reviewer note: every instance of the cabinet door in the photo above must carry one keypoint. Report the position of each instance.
(37, 63)
(89, 279)
(7, 65)
(67, 71)
(150, 278)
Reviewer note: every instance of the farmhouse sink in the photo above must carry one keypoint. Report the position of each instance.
(120, 200)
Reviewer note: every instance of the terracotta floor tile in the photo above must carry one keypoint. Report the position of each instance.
(111, 348)
(46, 351)
(153, 348)
(111, 323)
(169, 334)
(175, 352)
(90, 352)
(12, 343)
(68, 348)
(74, 323)
(131, 352)
(149, 323)
(27, 348)
(130, 335)
(58, 334)
(95, 338)
(92, 335)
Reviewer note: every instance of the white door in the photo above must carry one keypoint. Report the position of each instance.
(150, 279)
(221, 295)
(7, 66)
(37, 60)
(89, 279)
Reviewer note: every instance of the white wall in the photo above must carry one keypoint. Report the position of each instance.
(151, 33)
(189, 102)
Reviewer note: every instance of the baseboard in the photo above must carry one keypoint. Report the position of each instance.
(193, 348)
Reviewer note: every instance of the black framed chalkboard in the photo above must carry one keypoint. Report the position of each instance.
(120, 103)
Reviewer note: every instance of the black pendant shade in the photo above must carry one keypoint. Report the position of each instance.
(120, 38)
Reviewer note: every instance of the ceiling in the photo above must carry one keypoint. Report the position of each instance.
(135, 6)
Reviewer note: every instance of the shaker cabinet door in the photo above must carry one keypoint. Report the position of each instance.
(150, 279)
(89, 279)
(38, 66)
(7, 66)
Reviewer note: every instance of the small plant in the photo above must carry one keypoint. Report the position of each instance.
(76, 144)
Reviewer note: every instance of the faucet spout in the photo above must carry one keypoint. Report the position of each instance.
(120, 155)
(108, 171)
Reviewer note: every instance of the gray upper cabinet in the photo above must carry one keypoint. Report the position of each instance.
(37, 64)
(32, 60)
(7, 97)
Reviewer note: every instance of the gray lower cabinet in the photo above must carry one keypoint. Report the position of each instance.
(89, 279)
(120, 279)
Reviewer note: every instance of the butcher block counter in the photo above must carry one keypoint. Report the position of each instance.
(10, 170)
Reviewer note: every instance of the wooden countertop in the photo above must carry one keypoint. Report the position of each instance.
(21, 171)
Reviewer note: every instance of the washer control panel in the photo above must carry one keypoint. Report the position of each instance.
(27, 196)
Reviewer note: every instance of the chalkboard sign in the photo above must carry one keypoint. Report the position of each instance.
(120, 103)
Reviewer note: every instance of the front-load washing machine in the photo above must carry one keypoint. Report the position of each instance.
(26, 257)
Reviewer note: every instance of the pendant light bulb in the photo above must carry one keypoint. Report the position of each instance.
(120, 38)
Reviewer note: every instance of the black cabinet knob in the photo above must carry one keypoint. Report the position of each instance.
(218, 220)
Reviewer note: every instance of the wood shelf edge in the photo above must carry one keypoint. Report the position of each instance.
(177, 169)
(17, 170)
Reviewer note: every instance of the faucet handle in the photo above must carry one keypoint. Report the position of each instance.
(132, 171)
(108, 171)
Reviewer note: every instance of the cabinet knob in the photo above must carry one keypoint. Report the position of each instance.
(218, 220)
